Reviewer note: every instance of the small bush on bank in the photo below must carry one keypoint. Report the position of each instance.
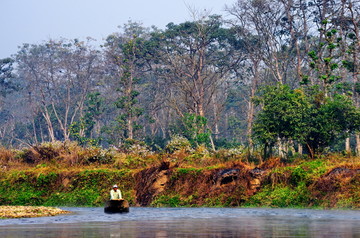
(6, 156)
(225, 155)
(167, 201)
(131, 146)
(178, 143)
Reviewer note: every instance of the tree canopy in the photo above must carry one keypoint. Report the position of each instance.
(269, 74)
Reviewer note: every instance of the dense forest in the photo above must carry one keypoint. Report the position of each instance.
(276, 76)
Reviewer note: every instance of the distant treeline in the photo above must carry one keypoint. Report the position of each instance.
(277, 75)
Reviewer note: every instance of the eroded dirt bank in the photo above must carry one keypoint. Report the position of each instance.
(271, 184)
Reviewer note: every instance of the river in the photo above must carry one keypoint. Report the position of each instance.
(188, 222)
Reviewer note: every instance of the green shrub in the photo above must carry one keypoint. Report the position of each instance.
(307, 172)
(79, 197)
(167, 201)
(46, 179)
(281, 196)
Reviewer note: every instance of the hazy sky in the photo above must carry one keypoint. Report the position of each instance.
(33, 21)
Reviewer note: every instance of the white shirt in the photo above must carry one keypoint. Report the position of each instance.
(115, 194)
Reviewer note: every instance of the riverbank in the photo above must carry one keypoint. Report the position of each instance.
(29, 211)
(72, 176)
(320, 183)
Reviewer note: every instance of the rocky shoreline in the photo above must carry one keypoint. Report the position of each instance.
(29, 211)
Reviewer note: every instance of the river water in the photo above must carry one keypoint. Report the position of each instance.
(188, 222)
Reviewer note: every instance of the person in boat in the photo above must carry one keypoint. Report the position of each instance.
(116, 204)
(115, 193)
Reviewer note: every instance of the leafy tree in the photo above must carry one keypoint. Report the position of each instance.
(281, 117)
(194, 129)
(128, 55)
(328, 121)
(309, 118)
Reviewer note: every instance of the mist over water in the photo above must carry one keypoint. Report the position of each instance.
(189, 222)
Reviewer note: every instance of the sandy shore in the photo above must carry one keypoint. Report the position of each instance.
(29, 211)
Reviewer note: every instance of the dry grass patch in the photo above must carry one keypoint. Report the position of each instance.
(29, 211)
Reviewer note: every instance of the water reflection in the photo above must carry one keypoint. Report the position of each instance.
(186, 222)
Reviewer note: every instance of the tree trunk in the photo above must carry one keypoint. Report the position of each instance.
(212, 143)
(347, 145)
(250, 119)
(97, 129)
(216, 121)
(130, 129)
(34, 131)
(300, 149)
(49, 125)
(282, 148)
(251, 107)
(357, 150)
(355, 22)
(311, 151)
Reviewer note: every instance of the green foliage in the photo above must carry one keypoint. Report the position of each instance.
(156, 143)
(133, 161)
(312, 119)
(194, 129)
(325, 59)
(79, 197)
(307, 172)
(349, 65)
(183, 171)
(281, 116)
(291, 186)
(167, 201)
(45, 186)
(331, 120)
(46, 179)
(82, 131)
(128, 53)
(75, 130)
(281, 196)
(235, 127)
(217, 201)
(227, 143)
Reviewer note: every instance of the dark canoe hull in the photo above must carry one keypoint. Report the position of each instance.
(116, 206)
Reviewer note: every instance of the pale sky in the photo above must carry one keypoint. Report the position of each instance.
(34, 21)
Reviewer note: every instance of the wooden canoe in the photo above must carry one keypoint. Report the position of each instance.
(116, 206)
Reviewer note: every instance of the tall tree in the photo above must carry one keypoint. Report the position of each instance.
(127, 54)
(195, 58)
(58, 75)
